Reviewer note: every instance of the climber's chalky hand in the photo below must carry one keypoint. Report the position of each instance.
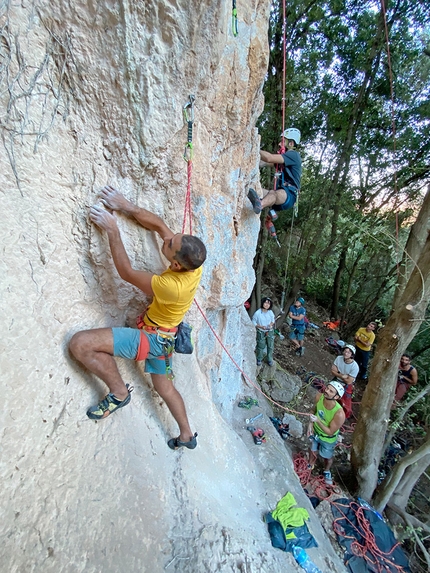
(113, 199)
(102, 218)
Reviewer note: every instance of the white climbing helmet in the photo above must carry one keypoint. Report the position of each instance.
(352, 348)
(338, 387)
(292, 133)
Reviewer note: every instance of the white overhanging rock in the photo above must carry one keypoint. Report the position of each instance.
(92, 93)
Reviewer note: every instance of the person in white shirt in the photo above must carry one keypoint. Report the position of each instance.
(264, 321)
(345, 369)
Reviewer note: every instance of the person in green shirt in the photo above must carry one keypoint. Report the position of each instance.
(324, 426)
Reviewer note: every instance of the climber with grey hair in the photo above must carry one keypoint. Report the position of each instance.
(289, 162)
(173, 293)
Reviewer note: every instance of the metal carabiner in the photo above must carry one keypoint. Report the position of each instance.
(188, 109)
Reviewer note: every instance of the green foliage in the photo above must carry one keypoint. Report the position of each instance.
(338, 93)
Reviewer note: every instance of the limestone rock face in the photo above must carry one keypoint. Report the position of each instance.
(93, 93)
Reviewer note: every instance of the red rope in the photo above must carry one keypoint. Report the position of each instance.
(284, 48)
(187, 215)
(379, 559)
(284, 54)
(247, 378)
(317, 483)
(393, 125)
(187, 207)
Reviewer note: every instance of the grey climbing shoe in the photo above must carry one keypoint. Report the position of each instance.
(255, 200)
(175, 443)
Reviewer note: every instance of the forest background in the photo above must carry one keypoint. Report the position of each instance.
(357, 85)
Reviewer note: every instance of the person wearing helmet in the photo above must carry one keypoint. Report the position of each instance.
(264, 321)
(345, 370)
(324, 426)
(297, 314)
(290, 174)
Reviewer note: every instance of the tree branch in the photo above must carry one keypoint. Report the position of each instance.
(407, 518)
(413, 522)
(393, 480)
(403, 413)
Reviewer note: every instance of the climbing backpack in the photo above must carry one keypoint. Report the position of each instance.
(183, 342)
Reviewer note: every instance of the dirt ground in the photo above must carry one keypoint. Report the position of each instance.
(318, 358)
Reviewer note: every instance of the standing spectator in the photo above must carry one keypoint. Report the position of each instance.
(264, 321)
(364, 338)
(407, 377)
(345, 370)
(324, 426)
(297, 314)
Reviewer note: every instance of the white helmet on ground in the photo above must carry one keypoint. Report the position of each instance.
(292, 133)
(338, 387)
(352, 348)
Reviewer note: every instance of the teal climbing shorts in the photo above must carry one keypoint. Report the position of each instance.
(137, 344)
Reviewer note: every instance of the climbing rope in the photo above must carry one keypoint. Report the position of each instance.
(367, 545)
(247, 378)
(303, 470)
(393, 126)
(188, 111)
(295, 211)
(284, 49)
(379, 559)
(286, 263)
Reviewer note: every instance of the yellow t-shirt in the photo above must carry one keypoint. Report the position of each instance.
(173, 295)
(368, 336)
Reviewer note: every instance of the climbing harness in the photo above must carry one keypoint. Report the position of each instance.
(234, 20)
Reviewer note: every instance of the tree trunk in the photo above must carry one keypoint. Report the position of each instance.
(336, 284)
(400, 329)
(414, 244)
(405, 486)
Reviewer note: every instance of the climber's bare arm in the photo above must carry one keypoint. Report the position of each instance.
(270, 157)
(107, 222)
(114, 200)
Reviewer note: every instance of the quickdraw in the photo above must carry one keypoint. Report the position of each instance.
(234, 25)
(188, 110)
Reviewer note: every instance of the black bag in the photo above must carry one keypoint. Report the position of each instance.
(183, 342)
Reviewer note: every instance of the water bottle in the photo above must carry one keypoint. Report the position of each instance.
(303, 560)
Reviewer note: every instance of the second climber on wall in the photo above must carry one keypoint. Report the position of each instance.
(287, 186)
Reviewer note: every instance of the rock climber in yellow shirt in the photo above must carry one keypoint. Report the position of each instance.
(173, 293)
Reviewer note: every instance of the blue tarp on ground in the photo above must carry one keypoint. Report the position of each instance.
(349, 530)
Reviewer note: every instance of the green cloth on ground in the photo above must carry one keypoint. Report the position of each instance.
(288, 515)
